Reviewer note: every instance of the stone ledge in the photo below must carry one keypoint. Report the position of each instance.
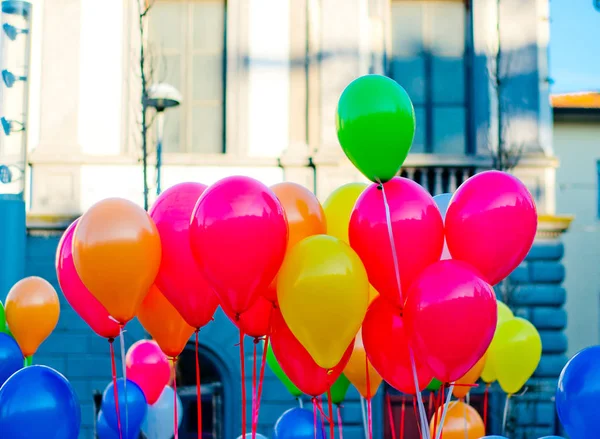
(552, 226)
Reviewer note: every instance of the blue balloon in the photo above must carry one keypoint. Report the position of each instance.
(442, 201)
(552, 437)
(578, 394)
(38, 402)
(103, 430)
(11, 357)
(297, 423)
(134, 411)
(494, 437)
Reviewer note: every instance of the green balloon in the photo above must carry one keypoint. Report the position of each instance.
(376, 125)
(339, 389)
(434, 385)
(28, 361)
(2, 318)
(279, 373)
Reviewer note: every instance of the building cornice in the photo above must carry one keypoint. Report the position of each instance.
(553, 226)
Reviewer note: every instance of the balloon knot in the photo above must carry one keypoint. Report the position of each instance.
(329, 371)
(237, 317)
(257, 340)
(313, 399)
(111, 339)
(380, 187)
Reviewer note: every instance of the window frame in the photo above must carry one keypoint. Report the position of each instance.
(187, 105)
(429, 106)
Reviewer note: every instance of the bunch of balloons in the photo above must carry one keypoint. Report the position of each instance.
(151, 403)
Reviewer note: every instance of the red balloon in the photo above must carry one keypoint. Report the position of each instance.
(450, 318)
(418, 232)
(386, 345)
(491, 224)
(78, 296)
(297, 363)
(238, 235)
(179, 278)
(256, 321)
(149, 368)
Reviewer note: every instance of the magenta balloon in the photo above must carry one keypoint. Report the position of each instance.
(239, 235)
(491, 224)
(418, 232)
(78, 296)
(149, 368)
(179, 277)
(450, 318)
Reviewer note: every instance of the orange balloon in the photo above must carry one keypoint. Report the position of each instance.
(117, 251)
(305, 217)
(356, 370)
(462, 422)
(164, 323)
(463, 385)
(32, 311)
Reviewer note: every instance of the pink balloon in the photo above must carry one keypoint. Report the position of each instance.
(386, 345)
(418, 232)
(179, 277)
(450, 318)
(149, 368)
(238, 235)
(491, 224)
(78, 296)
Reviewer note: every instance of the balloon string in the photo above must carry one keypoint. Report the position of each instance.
(422, 415)
(339, 421)
(243, 373)
(115, 387)
(418, 418)
(300, 402)
(466, 422)
(321, 413)
(364, 416)
(445, 411)
(198, 388)
(261, 380)
(369, 411)
(505, 416)
(430, 408)
(388, 220)
(314, 404)
(122, 337)
(388, 403)
(402, 417)
(438, 403)
(485, 405)
(175, 417)
(253, 426)
(331, 421)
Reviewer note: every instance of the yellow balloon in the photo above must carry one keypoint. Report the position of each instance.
(323, 294)
(504, 313)
(338, 208)
(516, 353)
(356, 370)
(488, 374)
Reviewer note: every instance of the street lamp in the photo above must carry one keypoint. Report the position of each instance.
(161, 97)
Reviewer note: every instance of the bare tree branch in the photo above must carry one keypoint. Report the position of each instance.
(506, 154)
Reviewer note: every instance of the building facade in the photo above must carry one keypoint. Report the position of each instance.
(259, 82)
(576, 134)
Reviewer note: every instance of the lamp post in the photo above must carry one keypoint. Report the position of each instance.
(161, 97)
(15, 50)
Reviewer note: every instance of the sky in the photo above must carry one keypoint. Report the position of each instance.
(574, 46)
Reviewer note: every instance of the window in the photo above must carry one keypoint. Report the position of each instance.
(428, 60)
(188, 38)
